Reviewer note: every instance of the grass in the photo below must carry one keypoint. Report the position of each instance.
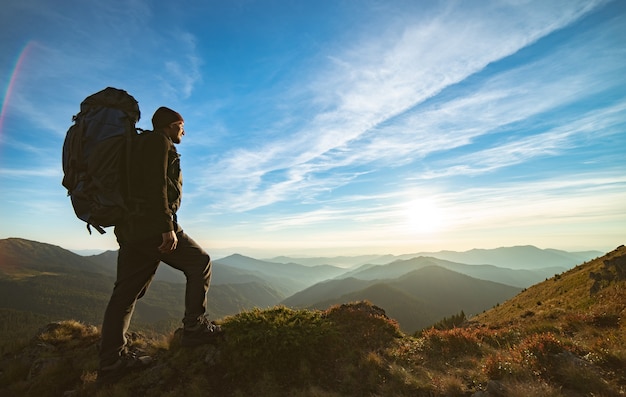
(573, 343)
(349, 350)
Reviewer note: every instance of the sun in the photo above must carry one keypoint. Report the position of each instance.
(424, 216)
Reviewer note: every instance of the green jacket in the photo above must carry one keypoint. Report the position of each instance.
(156, 184)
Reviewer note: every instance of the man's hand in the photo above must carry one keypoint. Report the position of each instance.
(169, 242)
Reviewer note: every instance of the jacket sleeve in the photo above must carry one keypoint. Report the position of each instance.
(154, 163)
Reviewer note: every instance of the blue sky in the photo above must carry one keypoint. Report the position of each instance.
(336, 127)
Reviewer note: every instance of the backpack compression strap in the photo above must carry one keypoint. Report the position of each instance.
(98, 228)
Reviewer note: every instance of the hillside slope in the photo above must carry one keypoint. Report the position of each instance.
(563, 337)
(23, 258)
(594, 288)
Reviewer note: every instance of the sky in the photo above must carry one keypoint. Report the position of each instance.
(341, 127)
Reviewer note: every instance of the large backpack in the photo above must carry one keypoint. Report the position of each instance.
(96, 157)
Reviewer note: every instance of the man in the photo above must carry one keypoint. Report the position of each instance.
(151, 235)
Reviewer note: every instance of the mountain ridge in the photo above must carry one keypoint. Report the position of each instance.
(562, 337)
(515, 277)
(238, 283)
(434, 289)
(475, 256)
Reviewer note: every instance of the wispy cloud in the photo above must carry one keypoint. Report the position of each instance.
(591, 198)
(555, 141)
(553, 201)
(368, 98)
(183, 68)
(31, 172)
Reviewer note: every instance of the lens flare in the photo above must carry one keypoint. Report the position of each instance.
(11, 85)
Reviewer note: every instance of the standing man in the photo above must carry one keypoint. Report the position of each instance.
(151, 235)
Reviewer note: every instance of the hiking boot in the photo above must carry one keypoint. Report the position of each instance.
(129, 362)
(203, 333)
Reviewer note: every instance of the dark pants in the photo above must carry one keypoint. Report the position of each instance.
(137, 263)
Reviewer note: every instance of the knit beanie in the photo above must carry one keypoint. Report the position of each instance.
(165, 116)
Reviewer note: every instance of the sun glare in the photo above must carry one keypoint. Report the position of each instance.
(423, 216)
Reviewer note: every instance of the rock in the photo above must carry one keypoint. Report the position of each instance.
(496, 389)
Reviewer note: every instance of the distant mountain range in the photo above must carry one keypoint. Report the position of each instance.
(518, 257)
(417, 290)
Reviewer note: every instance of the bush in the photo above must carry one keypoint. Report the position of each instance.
(453, 342)
(336, 348)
